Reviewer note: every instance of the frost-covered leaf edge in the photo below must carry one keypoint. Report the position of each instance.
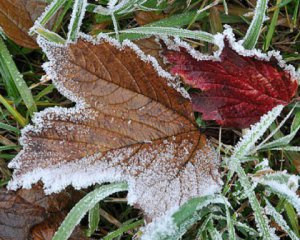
(228, 34)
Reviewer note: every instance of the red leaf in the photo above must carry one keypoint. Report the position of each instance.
(237, 90)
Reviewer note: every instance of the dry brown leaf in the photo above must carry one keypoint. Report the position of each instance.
(17, 17)
(47, 229)
(128, 124)
(143, 17)
(21, 210)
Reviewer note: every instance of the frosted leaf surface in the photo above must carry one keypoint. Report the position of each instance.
(128, 124)
(237, 86)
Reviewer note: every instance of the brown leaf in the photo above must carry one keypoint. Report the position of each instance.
(21, 210)
(17, 17)
(143, 17)
(47, 229)
(128, 124)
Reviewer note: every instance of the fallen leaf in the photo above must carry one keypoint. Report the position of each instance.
(128, 125)
(21, 210)
(237, 90)
(47, 229)
(17, 17)
(145, 17)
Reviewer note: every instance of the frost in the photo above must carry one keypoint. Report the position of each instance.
(76, 20)
(172, 226)
(172, 81)
(163, 226)
(284, 185)
(154, 188)
(263, 165)
(256, 131)
(270, 210)
(235, 45)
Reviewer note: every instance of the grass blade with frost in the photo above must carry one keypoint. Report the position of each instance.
(49, 35)
(170, 31)
(241, 150)
(94, 218)
(50, 11)
(76, 19)
(248, 141)
(230, 226)
(286, 148)
(174, 225)
(213, 232)
(178, 20)
(83, 206)
(253, 32)
(283, 191)
(9, 128)
(270, 210)
(122, 229)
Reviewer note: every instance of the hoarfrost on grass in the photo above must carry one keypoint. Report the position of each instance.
(270, 210)
(81, 6)
(255, 133)
(170, 227)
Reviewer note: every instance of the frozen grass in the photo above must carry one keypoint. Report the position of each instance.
(279, 32)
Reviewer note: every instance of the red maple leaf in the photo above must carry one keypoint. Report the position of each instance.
(237, 90)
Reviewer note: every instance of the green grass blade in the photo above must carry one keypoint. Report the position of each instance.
(94, 218)
(282, 190)
(248, 141)
(9, 128)
(296, 121)
(180, 221)
(272, 27)
(20, 119)
(122, 229)
(241, 150)
(230, 224)
(260, 218)
(16, 77)
(170, 31)
(12, 147)
(83, 206)
(178, 20)
(296, 12)
(50, 12)
(10, 86)
(44, 92)
(76, 19)
(213, 232)
(49, 35)
(62, 14)
(293, 218)
(253, 32)
(279, 220)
